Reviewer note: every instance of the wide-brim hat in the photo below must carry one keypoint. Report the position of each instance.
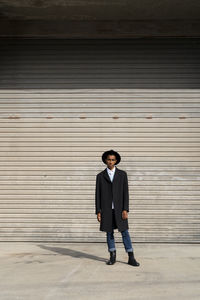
(111, 152)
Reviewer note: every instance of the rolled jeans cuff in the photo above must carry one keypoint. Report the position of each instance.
(112, 249)
(129, 250)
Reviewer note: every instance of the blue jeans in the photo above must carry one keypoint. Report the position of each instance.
(125, 237)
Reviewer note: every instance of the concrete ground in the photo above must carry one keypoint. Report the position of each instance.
(59, 271)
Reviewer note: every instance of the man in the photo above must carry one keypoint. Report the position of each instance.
(112, 205)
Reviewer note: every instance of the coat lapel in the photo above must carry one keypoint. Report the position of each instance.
(105, 173)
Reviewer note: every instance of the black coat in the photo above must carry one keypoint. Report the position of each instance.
(106, 191)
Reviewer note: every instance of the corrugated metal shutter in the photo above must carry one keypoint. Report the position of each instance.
(63, 103)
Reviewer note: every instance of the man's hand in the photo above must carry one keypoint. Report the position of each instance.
(124, 214)
(99, 217)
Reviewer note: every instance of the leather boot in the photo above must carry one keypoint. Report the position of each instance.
(112, 259)
(132, 261)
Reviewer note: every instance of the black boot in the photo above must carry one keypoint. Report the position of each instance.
(132, 261)
(112, 259)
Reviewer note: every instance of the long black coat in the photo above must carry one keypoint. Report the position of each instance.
(106, 191)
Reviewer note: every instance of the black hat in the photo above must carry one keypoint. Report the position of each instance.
(111, 152)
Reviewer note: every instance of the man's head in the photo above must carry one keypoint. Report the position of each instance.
(111, 158)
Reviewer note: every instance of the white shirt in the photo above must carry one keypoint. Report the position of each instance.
(111, 174)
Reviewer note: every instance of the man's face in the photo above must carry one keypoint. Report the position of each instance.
(111, 161)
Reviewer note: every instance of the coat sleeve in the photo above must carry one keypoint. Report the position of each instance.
(126, 194)
(97, 195)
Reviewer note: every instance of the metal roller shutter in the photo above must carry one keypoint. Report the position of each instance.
(64, 102)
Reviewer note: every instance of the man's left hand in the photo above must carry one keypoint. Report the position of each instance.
(124, 214)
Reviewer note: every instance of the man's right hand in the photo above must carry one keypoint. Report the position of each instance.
(99, 217)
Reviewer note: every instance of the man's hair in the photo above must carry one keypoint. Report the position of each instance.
(111, 152)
